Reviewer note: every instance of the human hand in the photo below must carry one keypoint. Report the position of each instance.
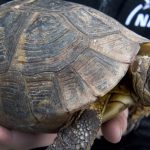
(115, 128)
(14, 140)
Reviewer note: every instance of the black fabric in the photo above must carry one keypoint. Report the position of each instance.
(92, 3)
(3, 1)
(140, 22)
(111, 7)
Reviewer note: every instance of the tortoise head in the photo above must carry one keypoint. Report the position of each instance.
(140, 70)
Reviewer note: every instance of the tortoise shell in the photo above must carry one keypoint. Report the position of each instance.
(56, 58)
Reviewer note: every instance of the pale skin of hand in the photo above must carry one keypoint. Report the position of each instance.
(13, 140)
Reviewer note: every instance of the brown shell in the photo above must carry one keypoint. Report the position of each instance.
(56, 57)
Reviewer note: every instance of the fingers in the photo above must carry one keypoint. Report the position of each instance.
(5, 135)
(42, 140)
(114, 129)
(31, 140)
(111, 130)
(17, 140)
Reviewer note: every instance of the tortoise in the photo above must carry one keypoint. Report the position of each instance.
(68, 68)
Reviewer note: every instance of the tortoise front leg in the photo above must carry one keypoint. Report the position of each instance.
(80, 135)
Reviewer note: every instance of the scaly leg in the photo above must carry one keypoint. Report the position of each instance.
(80, 135)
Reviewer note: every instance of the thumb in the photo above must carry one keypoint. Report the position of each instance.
(114, 129)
